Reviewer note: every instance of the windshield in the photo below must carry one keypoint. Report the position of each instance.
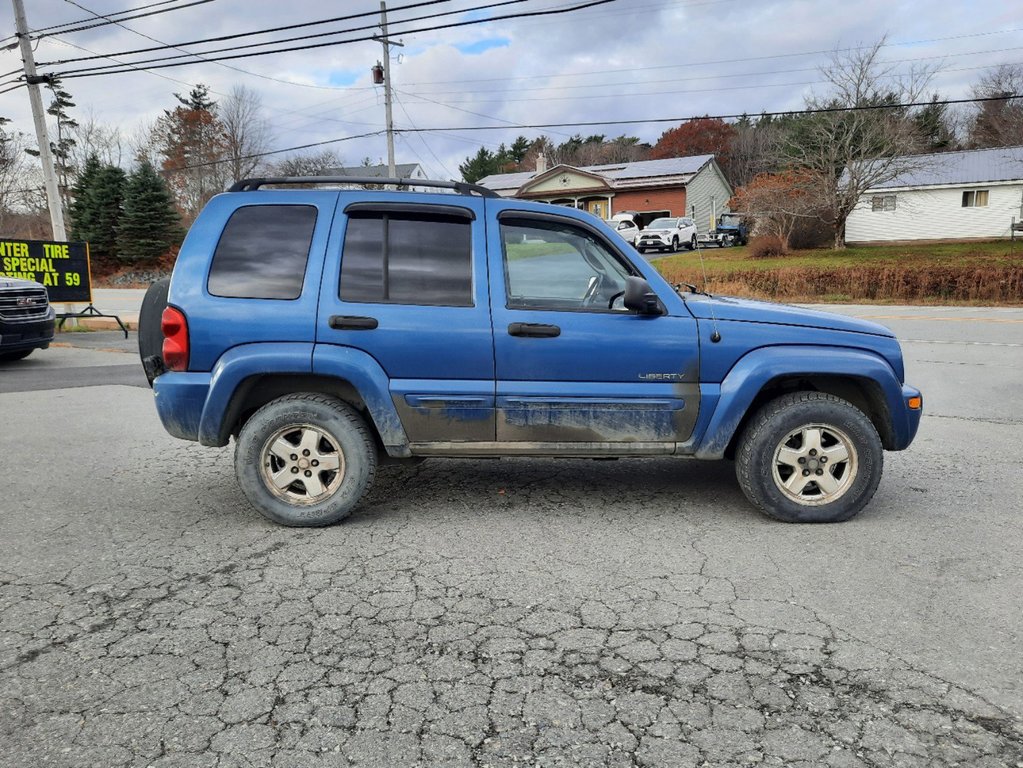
(662, 224)
(732, 220)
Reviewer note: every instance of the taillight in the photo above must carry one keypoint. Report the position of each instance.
(175, 339)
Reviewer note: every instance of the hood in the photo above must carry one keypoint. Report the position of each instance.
(750, 311)
(17, 282)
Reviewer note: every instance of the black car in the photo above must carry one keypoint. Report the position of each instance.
(26, 318)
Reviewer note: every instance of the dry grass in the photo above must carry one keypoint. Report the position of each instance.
(946, 273)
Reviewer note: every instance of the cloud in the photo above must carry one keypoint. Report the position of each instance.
(478, 47)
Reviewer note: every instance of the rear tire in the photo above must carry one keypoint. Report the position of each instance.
(150, 315)
(305, 460)
(809, 457)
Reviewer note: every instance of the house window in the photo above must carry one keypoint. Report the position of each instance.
(882, 203)
(975, 198)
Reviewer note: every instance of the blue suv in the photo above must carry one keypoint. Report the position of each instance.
(326, 329)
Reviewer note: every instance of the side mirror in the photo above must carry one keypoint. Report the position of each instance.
(640, 297)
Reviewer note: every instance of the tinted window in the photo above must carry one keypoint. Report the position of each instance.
(407, 259)
(262, 252)
(553, 266)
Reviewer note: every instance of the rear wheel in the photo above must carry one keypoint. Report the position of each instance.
(305, 460)
(809, 457)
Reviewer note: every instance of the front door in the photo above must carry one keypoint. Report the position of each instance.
(405, 282)
(573, 365)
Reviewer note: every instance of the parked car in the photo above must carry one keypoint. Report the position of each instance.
(26, 318)
(405, 325)
(735, 226)
(667, 235)
(626, 229)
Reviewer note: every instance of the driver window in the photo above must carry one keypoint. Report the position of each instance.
(561, 267)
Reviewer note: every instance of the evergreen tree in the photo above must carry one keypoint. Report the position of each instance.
(80, 210)
(105, 198)
(482, 164)
(149, 224)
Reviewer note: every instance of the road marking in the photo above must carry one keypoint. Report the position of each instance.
(944, 319)
(967, 343)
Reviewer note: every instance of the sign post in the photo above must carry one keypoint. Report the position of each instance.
(62, 268)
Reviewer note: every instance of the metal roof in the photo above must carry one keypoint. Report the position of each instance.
(401, 170)
(975, 166)
(643, 169)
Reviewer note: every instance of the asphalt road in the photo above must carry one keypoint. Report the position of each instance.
(518, 611)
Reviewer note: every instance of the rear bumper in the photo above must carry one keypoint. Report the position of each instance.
(33, 334)
(180, 398)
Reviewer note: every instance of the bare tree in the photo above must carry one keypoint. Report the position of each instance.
(19, 179)
(998, 123)
(92, 137)
(246, 131)
(754, 150)
(868, 140)
(308, 164)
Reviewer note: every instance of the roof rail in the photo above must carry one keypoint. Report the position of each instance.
(461, 187)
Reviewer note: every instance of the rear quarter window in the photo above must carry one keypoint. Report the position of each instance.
(263, 252)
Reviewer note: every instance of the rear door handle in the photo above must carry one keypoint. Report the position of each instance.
(352, 323)
(533, 330)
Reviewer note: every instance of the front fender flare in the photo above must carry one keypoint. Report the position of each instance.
(761, 366)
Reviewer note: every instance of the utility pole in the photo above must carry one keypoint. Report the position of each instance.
(387, 87)
(39, 117)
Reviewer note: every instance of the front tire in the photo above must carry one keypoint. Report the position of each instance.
(809, 457)
(305, 460)
(692, 243)
(10, 357)
(674, 245)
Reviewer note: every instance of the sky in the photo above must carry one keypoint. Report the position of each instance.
(622, 60)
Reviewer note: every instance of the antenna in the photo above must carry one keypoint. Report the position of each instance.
(715, 336)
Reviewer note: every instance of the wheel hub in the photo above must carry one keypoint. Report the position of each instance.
(815, 464)
(302, 464)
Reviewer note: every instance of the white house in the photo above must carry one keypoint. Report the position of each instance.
(401, 171)
(678, 186)
(946, 196)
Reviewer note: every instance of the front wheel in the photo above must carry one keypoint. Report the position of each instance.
(674, 245)
(809, 457)
(692, 243)
(10, 357)
(305, 459)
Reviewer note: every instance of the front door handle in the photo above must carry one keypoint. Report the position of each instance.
(352, 323)
(533, 330)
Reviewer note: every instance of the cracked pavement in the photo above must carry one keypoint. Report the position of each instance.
(500, 613)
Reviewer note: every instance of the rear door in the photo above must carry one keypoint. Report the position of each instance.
(405, 281)
(572, 364)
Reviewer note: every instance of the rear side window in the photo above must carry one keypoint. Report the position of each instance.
(407, 258)
(263, 252)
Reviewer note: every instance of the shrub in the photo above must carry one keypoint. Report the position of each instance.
(765, 246)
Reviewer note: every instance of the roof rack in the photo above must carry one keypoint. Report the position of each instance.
(461, 187)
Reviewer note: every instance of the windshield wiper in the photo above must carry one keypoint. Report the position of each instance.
(691, 289)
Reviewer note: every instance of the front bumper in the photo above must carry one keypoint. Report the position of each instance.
(908, 423)
(31, 334)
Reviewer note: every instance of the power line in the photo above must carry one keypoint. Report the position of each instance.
(785, 113)
(126, 18)
(706, 62)
(90, 72)
(147, 37)
(268, 30)
(114, 13)
(275, 151)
